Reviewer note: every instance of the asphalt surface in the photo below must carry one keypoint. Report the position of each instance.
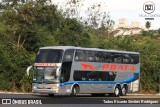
(83, 100)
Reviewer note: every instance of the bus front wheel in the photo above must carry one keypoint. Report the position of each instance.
(75, 90)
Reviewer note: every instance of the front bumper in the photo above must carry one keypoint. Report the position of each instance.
(46, 91)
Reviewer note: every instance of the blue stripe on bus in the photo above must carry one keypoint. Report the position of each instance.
(100, 82)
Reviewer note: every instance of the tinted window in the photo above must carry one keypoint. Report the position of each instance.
(117, 58)
(93, 56)
(89, 56)
(130, 58)
(127, 59)
(68, 56)
(94, 76)
(49, 56)
(66, 65)
(80, 55)
(106, 57)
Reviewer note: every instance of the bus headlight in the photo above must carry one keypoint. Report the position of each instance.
(54, 87)
(34, 87)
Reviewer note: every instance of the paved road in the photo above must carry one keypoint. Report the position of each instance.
(83, 99)
(86, 100)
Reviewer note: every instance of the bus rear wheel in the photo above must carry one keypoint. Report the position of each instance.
(117, 91)
(75, 90)
(124, 91)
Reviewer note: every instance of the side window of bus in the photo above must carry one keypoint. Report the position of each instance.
(99, 56)
(85, 76)
(66, 65)
(127, 59)
(108, 57)
(104, 57)
(68, 56)
(117, 58)
(79, 55)
(102, 76)
(93, 76)
(89, 56)
(135, 58)
(130, 58)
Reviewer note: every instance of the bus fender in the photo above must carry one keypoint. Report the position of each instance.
(74, 85)
(124, 84)
(116, 85)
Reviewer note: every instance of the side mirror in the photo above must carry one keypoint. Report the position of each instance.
(58, 72)
(28, 69)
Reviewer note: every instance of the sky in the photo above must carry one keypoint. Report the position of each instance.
(129, 9)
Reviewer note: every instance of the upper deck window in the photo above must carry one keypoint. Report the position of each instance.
(49, 56)
(106, 57)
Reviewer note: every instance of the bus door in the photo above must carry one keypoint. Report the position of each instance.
(66, 66)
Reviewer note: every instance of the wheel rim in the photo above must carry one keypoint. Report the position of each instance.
(116, 91)
(74, 91)
(123, 90)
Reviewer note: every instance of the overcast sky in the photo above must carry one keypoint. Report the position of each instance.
(129, 9)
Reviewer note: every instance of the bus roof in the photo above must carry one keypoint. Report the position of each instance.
(81, 48)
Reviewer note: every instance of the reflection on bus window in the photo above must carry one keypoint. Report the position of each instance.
(106, 57)
(117, 58)
(94, 76)
(49, 56)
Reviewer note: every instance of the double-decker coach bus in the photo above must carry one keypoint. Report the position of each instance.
(74, 70)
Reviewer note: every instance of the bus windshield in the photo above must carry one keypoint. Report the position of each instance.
(49, 56)
(45, 75)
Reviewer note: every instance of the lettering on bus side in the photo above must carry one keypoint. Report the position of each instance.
(45, 64)
(111, 67)
(120, 67)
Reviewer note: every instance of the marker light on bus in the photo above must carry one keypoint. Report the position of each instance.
(34, 87)
(54, 87)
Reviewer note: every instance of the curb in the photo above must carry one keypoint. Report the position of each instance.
(158, 94)
(13, 93)
(143, 94)
(140, 97)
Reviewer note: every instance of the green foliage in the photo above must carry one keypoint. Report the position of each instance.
(95, 16)
(145, 33)
(159, 31)
(5, 83)
(150, 62)
(148, 25)
(33, 25)
(72, 33)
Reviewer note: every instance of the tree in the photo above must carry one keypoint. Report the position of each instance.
(95, 16)
(72, 33)
(158, 31)
(148, 25)
(22, 33)
(32, 25)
